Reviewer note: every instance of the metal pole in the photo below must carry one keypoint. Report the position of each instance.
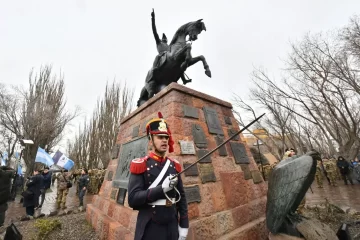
(226, 141)
(14, 186)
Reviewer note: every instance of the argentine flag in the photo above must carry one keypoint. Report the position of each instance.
(63, 161)
(4, 158)
(43, 157)
(19, 171)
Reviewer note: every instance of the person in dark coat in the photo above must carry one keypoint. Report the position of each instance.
(31, 199)
(6, 174)
(161, 201)
(47, 175)
(344, 167)
(83, 185)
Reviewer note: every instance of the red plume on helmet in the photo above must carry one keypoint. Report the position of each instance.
(160, 115)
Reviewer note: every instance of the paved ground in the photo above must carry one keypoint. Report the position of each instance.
(342, 195)
(16, 209)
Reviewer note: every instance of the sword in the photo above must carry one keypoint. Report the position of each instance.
(228, 140)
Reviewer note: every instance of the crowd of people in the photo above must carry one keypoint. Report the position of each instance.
(34, 188)
(330, 169)
(38, 184)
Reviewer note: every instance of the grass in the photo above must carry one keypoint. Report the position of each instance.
(46, 226)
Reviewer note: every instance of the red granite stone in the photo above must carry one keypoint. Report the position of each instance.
(205, 228)
(111, 209)
(236, 188)
(89, 212)
(193, 211)
(122, 215)
(225, 223)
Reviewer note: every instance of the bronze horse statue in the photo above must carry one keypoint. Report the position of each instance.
(170, 65)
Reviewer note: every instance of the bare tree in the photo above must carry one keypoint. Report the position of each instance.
(314, 90)
(39, 115)
(316, 103)
(93, 143)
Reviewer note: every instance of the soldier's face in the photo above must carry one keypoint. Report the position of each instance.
(160, 143)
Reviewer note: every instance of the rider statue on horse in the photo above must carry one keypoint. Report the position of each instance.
(172, 61)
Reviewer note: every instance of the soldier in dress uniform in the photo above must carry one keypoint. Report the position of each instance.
(159, 198)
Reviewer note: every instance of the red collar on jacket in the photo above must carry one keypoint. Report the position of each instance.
(156, 157)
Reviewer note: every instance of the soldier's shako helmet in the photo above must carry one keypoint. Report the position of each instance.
(158, 126)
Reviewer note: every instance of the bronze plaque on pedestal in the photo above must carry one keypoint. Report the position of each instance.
(231, 133)
(199, 136)
(121, 196)
(212, 121)
(113, 193)
(239, 152)
(207, 173)
(192, 194)
(193, 171)
(202, 152)
(129, 151)
(245, 168)
(190, 112)
(187, 147)
(219, 140)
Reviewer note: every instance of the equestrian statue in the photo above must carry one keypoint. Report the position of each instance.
(172, 60)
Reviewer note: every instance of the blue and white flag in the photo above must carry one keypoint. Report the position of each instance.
(43, 157)
(5, 156)
(63, 161)
(19, 171)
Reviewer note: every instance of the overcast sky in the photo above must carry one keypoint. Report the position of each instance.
(93, 42)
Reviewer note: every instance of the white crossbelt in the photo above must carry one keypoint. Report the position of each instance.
(160, 202)
(161, 175)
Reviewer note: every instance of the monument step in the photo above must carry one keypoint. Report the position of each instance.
(107, 227)
(253, 230)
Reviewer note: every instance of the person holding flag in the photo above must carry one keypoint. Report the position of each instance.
(47, 175)
(63, 178)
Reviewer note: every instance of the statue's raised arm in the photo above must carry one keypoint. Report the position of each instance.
(156, 36)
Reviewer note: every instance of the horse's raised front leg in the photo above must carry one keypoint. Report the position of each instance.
(187, 51)
(194, 60)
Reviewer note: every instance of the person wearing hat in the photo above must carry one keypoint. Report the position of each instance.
(154, 192)
(162, 47)
(47, 175)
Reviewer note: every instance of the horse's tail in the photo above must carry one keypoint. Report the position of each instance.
(143, 97)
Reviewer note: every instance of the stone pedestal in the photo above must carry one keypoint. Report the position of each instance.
(226, 193)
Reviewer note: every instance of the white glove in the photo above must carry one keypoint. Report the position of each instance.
(183, 232)
(168, 184)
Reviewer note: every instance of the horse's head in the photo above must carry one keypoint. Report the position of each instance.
(194, 28)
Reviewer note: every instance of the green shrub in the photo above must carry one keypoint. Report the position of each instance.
(46, 226)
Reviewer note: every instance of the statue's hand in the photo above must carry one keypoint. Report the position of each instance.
(153, 14)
